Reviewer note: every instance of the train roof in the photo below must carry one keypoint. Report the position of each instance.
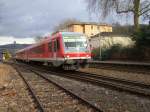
(71, 33)
(35, 44)
(67, 33)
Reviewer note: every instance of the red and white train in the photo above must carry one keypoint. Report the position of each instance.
(68, 50)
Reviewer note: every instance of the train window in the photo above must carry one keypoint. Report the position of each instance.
(56, 45)
(50, 46)
(38, 49)
(31, 51)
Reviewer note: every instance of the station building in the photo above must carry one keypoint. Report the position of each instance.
(88, 28)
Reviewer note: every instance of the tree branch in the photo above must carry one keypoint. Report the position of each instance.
(146, 17)
(147, 6)
(124, 11)
(144, 12)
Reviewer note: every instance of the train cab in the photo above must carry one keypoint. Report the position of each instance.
(76, 50)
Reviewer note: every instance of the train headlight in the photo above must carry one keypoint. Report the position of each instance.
(67, 56)
(87, 55)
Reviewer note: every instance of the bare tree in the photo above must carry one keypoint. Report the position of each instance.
(137, 7)
(64, 23)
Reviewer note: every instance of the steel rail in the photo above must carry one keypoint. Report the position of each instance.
(68, 91)
(120, 67)
(117, 86)
(134, 87)
(36, 100)
(129, 70)
(84, 101)
(115, 83)
(114, 79)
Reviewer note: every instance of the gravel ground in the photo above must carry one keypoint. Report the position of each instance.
(14, 96)
(106, 99)
(145, 78)
(51, 97)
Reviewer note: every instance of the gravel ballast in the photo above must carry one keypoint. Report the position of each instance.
(144, 78)
(14, 96)
(106, 99)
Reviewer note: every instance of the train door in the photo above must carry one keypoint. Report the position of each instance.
(50, 49)
(55, 49)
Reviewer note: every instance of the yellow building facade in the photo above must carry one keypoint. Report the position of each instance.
(88, 29)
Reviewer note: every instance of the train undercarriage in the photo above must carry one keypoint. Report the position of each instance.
(72, 64)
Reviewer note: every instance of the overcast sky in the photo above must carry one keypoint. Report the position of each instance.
(23, 18)
(29, 18)
(10, 40)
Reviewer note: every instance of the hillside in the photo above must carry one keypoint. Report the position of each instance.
(13, 47)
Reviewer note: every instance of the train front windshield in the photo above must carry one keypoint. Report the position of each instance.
(75, 44)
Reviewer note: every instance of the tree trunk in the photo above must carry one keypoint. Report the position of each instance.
(136, 15)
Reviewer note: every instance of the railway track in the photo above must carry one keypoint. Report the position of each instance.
(133, 87)
(31, 91)
(50, 96)
(123, 68)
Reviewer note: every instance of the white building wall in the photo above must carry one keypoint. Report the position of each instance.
(107, 41)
